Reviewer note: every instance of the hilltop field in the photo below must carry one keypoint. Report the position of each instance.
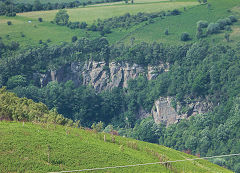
(191, 13)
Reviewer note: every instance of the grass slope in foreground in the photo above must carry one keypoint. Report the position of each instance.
(47, 147)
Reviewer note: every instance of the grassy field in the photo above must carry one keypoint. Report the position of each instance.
(44, 148)
(186, 22)
(91, 13)
(36, 31)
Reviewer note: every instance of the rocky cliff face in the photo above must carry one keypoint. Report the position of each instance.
(163, 111)
(101, 75)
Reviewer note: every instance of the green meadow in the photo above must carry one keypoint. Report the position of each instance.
(91, 13)
(186, 22)
(32, 147)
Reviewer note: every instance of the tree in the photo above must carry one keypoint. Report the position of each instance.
(166, 32)
(185, 36)
(16, 81)
(9, 22)
(40, 19)
(37, 5)
(213, 28)
(61, 17)
(74, 38)
(227, 37)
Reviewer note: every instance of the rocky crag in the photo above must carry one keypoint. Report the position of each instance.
(102, 76)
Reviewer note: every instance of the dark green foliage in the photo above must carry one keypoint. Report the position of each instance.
(227, 37)
(61, 17)
(74, 38)
(185, 37)
(213, 28)
(22, 34)
(40, 19)
(233, 18)
(9, 22)
(202, 24)
(16, 81)
(166, 32)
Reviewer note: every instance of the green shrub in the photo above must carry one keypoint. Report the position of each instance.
(233, 18)
(9, 22)
(213, 28)
(15, 81)
(202, 24)
(74, 38)
(185, 36)
(166, 32)
(40, 19)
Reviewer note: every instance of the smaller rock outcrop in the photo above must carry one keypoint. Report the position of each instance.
(164, 112)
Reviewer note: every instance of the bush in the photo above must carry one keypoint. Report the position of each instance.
(213, 28)
(227, 28)
(82, 25)
(185, 36)
(222, 23)
(233, 18)
(22, 34)
(9, 22)
(175, 12)
(166, 32)
(15, 81)
(228, 21)
(14, 45)
(40, 41)
(40, 19)
(202, 24)
(74, 38)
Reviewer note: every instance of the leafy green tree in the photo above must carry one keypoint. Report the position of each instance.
(61, 17)
(15, 81)
(185, 36)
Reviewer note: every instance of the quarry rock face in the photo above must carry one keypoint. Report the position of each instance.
(163, 111)
(99, 75)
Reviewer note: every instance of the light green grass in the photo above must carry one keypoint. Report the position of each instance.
(92, 13)
(25, 149)
(186, 22)
(36, 31)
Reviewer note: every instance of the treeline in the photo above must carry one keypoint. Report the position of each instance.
(125, 21)
(13, 108)
(10, 8)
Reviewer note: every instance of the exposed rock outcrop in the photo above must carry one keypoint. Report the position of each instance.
(163, 111)
(101, 75)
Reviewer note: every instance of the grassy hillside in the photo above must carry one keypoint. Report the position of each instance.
(44, 147)
(186, 22)
(35, 31)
